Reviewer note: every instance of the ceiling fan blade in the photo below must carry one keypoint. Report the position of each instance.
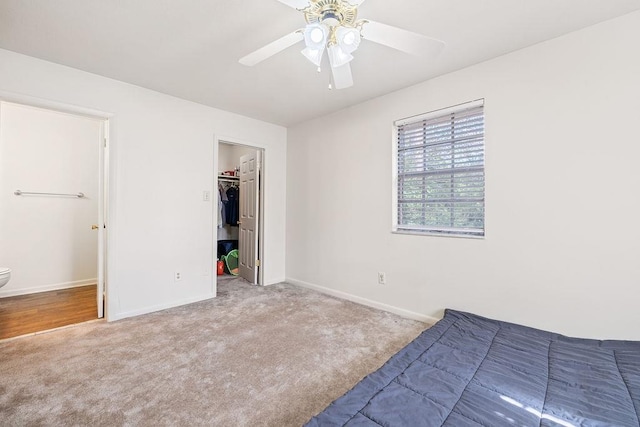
(403, 40)
(271, 49)
(296, 4)
(342, 77)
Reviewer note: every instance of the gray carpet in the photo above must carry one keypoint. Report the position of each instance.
(271, 356)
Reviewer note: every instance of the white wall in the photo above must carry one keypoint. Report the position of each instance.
(47, 241)
(229, 156)
(562, 200)
(161, 152)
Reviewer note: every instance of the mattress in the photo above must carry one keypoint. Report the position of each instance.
(468, 370)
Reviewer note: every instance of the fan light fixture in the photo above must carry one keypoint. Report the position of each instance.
(315, 35)
(348, 38)
(332, 25)
(315, 38)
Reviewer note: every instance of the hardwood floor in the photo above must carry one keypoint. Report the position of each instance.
(25, 314)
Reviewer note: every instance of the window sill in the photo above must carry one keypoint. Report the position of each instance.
(434, 234)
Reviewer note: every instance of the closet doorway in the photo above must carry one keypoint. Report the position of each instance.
(239, 229)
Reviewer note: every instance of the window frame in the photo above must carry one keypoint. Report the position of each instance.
(396, 228)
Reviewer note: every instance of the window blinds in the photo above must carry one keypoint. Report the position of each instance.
(440, 172)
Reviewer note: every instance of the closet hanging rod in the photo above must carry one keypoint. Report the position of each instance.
(20, 193)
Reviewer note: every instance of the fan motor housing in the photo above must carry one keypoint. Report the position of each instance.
(331, 12)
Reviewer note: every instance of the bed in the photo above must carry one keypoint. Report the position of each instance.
(468, 370)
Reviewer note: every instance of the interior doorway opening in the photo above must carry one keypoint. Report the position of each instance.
(54, 187)
(239, 171)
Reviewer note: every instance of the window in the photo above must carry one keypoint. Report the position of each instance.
(440, 172)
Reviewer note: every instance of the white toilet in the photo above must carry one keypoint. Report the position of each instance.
(5, 275)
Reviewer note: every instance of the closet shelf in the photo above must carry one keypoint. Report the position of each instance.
(229, 178)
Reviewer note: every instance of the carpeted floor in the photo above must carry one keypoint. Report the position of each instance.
(272, 356)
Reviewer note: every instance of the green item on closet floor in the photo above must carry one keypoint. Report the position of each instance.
(231, 262)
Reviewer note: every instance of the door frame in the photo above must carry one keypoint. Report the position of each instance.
(105, 178)
(221, 139)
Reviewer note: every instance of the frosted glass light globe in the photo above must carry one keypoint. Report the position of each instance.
(349, 38)
(317, 35)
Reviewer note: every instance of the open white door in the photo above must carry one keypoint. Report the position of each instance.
(102, 206)
(249, 202)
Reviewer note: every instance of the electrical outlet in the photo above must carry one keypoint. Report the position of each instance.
(206, 196)
(178, 276)
(382, 278)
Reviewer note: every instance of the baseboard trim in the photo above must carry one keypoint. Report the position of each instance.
(159, 307)
(364, 301)
(275, 281)
(46, 288)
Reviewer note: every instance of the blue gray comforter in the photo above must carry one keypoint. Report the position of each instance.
(467, 370)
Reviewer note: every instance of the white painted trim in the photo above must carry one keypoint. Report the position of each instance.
(364, 301)
(46, 288)
(229, 140)
(275, 281)
(159, 307)
(214, 214)
(31, 334)
(440, 112)
(108, 174)
(102, 217)
(19, 98)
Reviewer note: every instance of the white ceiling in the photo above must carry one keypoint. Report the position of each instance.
(190, 48)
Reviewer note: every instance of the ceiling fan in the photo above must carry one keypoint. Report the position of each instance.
(332, 25)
